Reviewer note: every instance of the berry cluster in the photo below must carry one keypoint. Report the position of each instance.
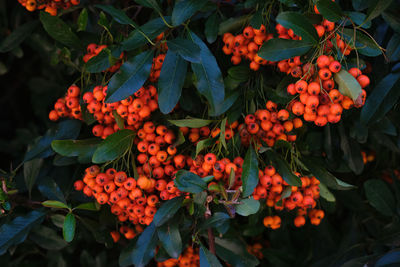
(246, 45)
(49, 6)
(271, 187)
(67, 106)
(94, 49)
(319, 101)
(189, 258)
(269, 125)
(256, 250)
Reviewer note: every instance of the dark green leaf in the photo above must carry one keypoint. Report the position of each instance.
(88, 206)
(299, 24)
(392, 19)
(130, 78)
(184, 9)
(315, 167)
(203, 144)
(211, 29)
(234, 252)
(377, 97)
(170, 239)
(150, 3)
(113, 146)
(216, 220)
(59, 30)
(283, 169)
(17, 36)
(82, 20)
(247, 207)
(279, 49)
(152, 29)
(358, 18)
(240, 73)
(393, 48)
(348, 85)
(191, 122)
(119, 120)
(224, 106)
(325, 193)
(69, 227)
(351, 151)
(83, 149)
(31, 172)
(48, 187)
(101, 62)
(187, 181)
(172, 77)
(363, 43)
(167, 211)
(68, 129)
(330, 10)
(145, 246)
(256, 19)
(250, 172)
(207, 259)
(54, 204)
(377, 8)
(208, 75)
(380, 196)
(47, 238)
(185, 48)
(16, 231)
(117, 14)
(232, 24)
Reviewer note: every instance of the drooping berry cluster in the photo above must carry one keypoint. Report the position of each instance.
(49, 6)
(67, 106)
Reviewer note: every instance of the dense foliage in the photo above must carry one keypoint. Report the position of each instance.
(200, 133)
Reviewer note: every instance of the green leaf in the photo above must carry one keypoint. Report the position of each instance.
(69, 227)
(225, 105)
(211, 29)
(83, 149)
(377, 8)
(240, 73)
(185, 48)
(191, 122)
(363, 43)
(330, 10)
(113, 146)
(299, 24)
(325, 177)
(377, 97)
(234, 251)
(117, 14)
(170, 83)
(184, 9)
(380, 196)
(250, 172)
(68, 129)
(151, 29)
(348, 85)
(233, 24)
(203, 144)
(17, 36)
(88, 206)
(49, 188)
(59, 30)
(170, 239)
(167, 211)
(358, 18)
(208, 75)
(187, 181)
(283, 169)
(130, 78)
(119, 120)
(47, 238)
(83, 20)
(247, 207)
(54, 204)
(256, 19)
(325, 193)
(352, 152)
(207, 259)
(279, 49)
(15, 232)
(31, 172)
(216, 220)
(101, 62)
(145, 246)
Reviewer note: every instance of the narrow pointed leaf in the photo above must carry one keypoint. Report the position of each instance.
(113, 146)
(279, 49)
(299, 24)
(250, 172)
(184, 9)
(69, 227)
